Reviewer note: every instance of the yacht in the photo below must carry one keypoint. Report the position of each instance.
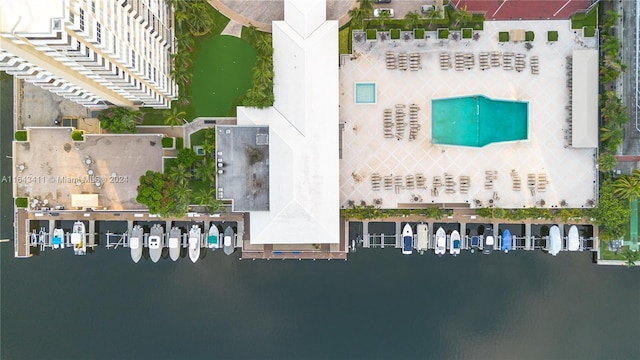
(407, 240)
(555, 240)
(573, 239)
(78, 238)
(155, 242)
(229, 243)
(489, 241)
(135, 243)
(213, 239)
(423, 238)
(194, 243)
(441, 242)
(455, 243)
(57, 241)
(175, 243)
(506, 241)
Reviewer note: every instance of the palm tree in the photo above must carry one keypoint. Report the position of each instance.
(182, 194)
(433, 13)
(383, 18)
(627, 187)
(200, 22)
(252, 31)
(180, 174)
(411, 19)
(366, 5)
(206, 170)
(174, 116)
(185, 43)
(357, 17)
(462, 15)
(264, 45)
(207, 197)
(209, 141)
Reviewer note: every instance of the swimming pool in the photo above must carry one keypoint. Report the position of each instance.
(365, 93)
(478, 121)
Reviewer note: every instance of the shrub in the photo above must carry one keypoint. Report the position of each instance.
(119, 119)
(467, 33)
(503, 36)
(77, 135)
(589, 31)
(371, 34)
(443, 33)
(167, 142)
(186, 157)
(22, 202)
(21, 135)
(552, 36)
(179, 143)
(418, 33)
(529, 36)
(395, 34)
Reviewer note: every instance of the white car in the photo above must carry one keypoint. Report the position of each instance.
(378, 12)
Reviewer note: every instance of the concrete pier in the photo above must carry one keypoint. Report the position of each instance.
(528, 245)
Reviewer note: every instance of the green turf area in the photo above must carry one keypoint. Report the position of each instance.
(344, 40)
(168, 164)
(197, 137)
(418, 33)
(606, 254)
(503, 36)
(552, 36)
(529, 36)
(589, 31)
(467, 33)
(221, 73)
(395, 34)
(580, 20)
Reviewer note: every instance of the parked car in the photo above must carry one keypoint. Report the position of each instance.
(378, 12)
(426, 8)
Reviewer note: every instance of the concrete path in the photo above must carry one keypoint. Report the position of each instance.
(246, 12)
(233, 28)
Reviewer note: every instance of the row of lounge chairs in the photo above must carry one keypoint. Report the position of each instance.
(489, 177)
(387, 123)
(464, 61)
(569, 131)
(400, 115)
(535, 65)
(516, 181)
(399, 123)
(403, 61)
(508, 61)
(520, 63)
(445, 61)
(414, 126)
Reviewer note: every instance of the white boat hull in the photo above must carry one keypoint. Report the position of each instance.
(194, 243)
(573, 239)
(441, 242)
(555, 240)
(455, 243)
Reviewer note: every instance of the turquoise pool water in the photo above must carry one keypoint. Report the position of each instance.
(478, 121)
(365, 93)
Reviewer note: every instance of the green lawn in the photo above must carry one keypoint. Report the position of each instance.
(578, 21)
(344, 40)
(605, 254)
(221, 73)
(197, 137)
(168, 164)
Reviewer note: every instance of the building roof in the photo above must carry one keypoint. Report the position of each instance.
(30, 17)
(584, 99)
(524, 9)
(303, 136)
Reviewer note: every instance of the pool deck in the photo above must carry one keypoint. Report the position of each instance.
(570, 173)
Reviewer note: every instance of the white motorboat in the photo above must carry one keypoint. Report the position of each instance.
(213, 239)
(407, 240)
(78, 238)
(555, 240)
(489, 241)
(229, 241)
(175, 240)
(441, 242)
(194, 243)
(455, 243)
(135, 243)
(57, 241)
(423, 238)
(155, 242)
(573, 239)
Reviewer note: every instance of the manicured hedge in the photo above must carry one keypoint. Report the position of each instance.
(418, 33)
(467, 33)
(529, 36)
(167, 142)
(21, 135)
(503, 36)
(371, 34)
(22, 202)
(589, 31)
(443, 33)
(552, 36)
(395, 34)
(179, 143)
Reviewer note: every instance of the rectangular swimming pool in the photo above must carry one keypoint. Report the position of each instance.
(478, 121)
(365, 93)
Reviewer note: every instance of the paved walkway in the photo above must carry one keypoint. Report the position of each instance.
(246, 13)
(233, 28)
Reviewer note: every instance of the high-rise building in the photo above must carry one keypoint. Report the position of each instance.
(93, 52)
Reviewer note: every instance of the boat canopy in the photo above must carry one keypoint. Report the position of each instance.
(76, 238)
(173, 242)
(134, 243)
(227, 241)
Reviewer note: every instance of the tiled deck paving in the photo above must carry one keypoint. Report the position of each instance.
(570, 172)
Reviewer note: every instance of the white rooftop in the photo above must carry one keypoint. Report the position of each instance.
(30, 16)
(303, 136)
(570, 172)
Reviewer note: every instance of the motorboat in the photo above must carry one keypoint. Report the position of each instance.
(213, 239)
(489, 241)
(229, 243)
(57, 241)
(474, 244)
(135, 243)
(155, 242)
(555, 240)
(506, 241)
(423, 238)
(573, 239)
(175, 237)
(407, 240)
(194, 243)
(441, 242)
(78, 237)
(454, 248)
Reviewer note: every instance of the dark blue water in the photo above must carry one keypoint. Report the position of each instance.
(377, 305)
